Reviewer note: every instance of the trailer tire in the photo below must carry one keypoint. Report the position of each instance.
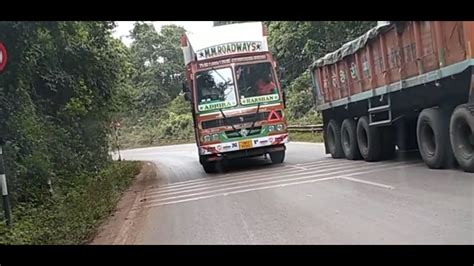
(432, 132)
(462, 137)
(368, 140)
(277, 157)
(333, 139)
(349, 139)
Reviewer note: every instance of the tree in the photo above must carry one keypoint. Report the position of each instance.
(56, 101)
(159, 63)
(297, 43)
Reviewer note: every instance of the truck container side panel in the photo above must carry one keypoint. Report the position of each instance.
(353, 84)
(371, 64)
(365, 77)
(402, 52)
(323, 90)
(418, 47)
(335, 78)
(341, 78)
(347, 77)
(377, 63)
(358, 73)
(453, 41)
(428, 57)
(323, 81)
(468, 27)
(407, 60)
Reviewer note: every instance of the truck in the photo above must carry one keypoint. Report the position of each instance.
(236, 99)
(406, 85)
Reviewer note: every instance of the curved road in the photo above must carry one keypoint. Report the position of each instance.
(310, 199)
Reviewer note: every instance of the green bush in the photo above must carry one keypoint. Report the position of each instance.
(71, 218)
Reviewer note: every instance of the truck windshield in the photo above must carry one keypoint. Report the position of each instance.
(255, 81)
(215, 89)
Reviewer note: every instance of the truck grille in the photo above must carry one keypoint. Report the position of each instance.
(235, 120)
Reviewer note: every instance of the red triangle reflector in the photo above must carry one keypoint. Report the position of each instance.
(273, 116)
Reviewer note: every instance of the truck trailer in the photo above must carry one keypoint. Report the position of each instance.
(402, 85)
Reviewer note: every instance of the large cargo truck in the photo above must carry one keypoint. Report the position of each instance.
(404, 84)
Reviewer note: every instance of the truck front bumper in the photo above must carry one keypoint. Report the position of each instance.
(227, 147)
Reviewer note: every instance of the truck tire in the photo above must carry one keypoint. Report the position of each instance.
(368, 140)
(388, 142)
(333, 139)
(209, 167)
(432, 132)
(349, 139)
(277, 156)
(462, 137)
(214, 167)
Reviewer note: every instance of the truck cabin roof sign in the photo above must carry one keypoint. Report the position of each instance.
(229, 49)
(3, 57)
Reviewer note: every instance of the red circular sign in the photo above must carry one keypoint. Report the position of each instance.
(3, 57)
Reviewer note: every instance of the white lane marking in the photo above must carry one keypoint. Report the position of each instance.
(237, 192)
(298, 167)
(160, 202)
(254, 177)
(366, 182)
(255, 172)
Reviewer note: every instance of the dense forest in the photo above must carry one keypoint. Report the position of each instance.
(66, 83)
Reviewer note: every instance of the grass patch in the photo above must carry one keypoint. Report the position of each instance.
(73, 217)
(306, 136)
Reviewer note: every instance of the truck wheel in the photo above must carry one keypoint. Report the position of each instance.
(349, 139)
(462, 137)
(388, 142)
(333, 139)
(277, 156)
(368, 140)
(432, 131)
(214, 167)
(209, 167)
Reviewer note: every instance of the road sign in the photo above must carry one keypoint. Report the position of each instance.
(3, 56)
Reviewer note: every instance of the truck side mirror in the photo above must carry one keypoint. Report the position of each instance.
(187, 96)
(281, 73)
(185, 88)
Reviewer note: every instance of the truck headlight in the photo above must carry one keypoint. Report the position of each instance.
(271, 128)
(214, 137)
(206, 138)
(279, 127)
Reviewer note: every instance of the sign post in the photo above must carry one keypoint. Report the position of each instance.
(3, 178)
(3, 57)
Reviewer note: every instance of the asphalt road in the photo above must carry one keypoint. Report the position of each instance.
(310, 199)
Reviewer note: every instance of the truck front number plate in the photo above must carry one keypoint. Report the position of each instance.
(246, 144)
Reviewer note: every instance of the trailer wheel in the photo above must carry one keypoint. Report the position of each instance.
(462, 137)
(388, 142)
(432, 132)
(333, 139)
(277, 156)
(368, 140)
(349, 139)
